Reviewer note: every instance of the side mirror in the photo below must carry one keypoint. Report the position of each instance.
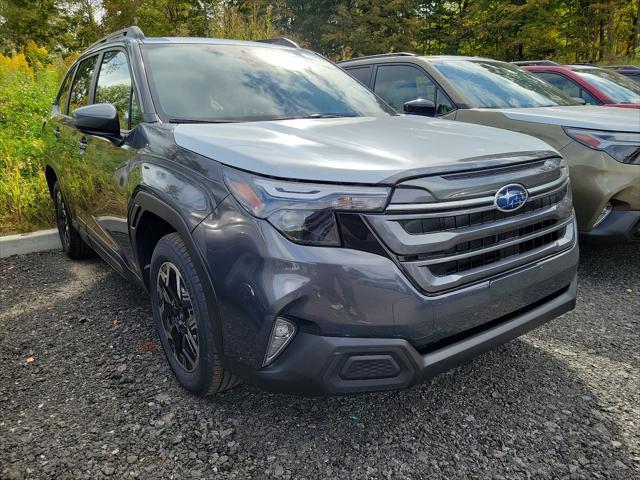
(97, 119)
(420, 106)
(579, 101)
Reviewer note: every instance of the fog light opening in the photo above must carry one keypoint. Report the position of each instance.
(282, 333)
(603, 214)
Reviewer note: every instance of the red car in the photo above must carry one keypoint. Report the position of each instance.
(595, 85)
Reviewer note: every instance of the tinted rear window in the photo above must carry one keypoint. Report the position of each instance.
(63, 96)
(82, 83)
(362, 74)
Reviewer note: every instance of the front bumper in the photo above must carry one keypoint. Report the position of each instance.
(597, 179)
(347, 300)
(321, 365)
(620, 226)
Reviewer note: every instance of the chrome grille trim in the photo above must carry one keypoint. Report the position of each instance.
(471, 202)
(439, 284)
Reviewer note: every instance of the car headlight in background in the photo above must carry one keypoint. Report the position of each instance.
(303, 212)
(623, 146)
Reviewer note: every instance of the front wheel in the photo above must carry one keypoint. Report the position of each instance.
(182, 319)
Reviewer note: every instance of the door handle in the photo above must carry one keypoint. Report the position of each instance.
(83, 145)
(56, 132)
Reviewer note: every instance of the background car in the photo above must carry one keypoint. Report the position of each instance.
(594, 85)
(630, 71)
(601, 145)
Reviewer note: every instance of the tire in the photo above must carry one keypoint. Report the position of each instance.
(72, 243)
(182, 319)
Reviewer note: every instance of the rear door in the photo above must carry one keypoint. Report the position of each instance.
(58, 122)
(73, 143)
(106, 200)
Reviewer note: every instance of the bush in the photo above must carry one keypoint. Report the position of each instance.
(28, 83)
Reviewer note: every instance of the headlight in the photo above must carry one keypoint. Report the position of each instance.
(303, 212)
(624, 147)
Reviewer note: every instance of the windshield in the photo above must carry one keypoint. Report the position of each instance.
(488, 84)
(618, 88)
(239, 83)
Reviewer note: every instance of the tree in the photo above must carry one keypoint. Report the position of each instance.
(23, 20)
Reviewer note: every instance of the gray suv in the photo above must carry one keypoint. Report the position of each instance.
(295, 232)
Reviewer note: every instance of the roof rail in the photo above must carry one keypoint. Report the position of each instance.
(282, 41)
(131, 32)
(626, 67)
(533, 63)
(382, 55)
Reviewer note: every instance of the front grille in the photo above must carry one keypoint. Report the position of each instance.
(443, 248)
(477, 261)
(453, 222)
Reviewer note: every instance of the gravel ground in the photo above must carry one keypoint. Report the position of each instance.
(85, 392)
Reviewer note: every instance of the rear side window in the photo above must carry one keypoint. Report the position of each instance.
(362, 74)
(81, 84)
(63, 96)
(114, 86)
(567, 86)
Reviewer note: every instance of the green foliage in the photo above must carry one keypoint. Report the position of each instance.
(25, 98)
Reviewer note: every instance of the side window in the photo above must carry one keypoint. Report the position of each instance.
(114, 86)
(398, 84)
(567, 86)
(634, 76)
(362, 74)
(136, 114)
(443, 104)
(79, 96)
(63, 95)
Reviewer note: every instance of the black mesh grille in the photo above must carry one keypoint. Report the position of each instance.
(462, 265)
(360, 369)
(431, 225)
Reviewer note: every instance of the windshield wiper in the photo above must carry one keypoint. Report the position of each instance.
(317, 115)
(330, 115)
(191, 120)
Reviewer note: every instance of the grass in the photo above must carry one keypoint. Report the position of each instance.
(26, 91)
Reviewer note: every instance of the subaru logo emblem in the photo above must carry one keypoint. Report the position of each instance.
(510, 197)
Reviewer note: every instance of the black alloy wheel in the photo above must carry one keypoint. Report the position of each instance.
(182, 318)
(178, 318)
(62, 219)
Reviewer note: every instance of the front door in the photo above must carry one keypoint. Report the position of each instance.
(106, 200)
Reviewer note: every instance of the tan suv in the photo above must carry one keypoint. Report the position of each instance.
(601, 145)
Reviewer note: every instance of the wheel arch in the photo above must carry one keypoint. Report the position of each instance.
(148, 208)
(51, 177)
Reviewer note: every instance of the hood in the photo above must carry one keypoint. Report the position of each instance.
(353, 150)
(623, 105)
(593, 117)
